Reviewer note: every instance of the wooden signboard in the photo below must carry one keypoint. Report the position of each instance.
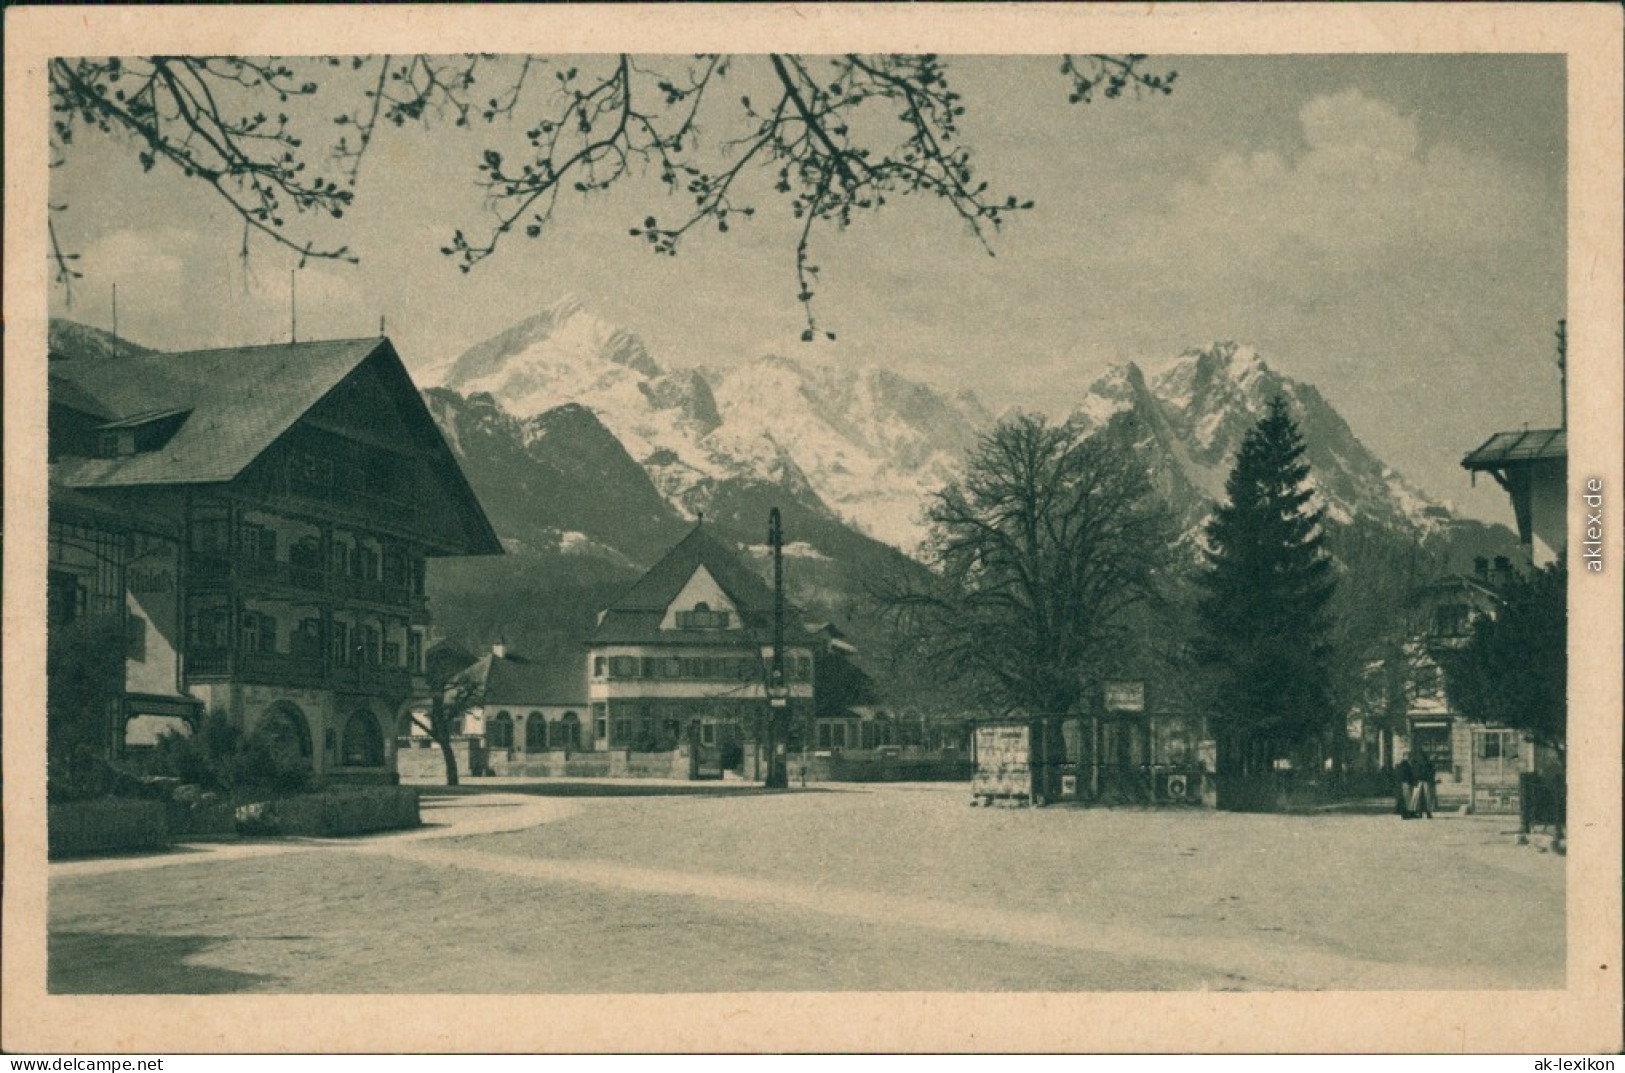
(1125, 696)
(1003, 761)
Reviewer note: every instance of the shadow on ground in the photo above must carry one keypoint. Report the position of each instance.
(98, 963)
(606, 789)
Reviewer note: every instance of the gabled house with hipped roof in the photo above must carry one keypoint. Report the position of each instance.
(308, 486)
(684, 657)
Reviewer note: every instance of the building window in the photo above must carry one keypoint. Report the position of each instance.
(369, 645)
(598, 666)
(1451, 620)
(257, 542)
(65, 595)
(569, 731)
(306, 552)
(306, 640)
(363, 741)
(1433, 742)
(208, 535)
(499, 732)
(208, 625)
(702, 618)
(287, 730)
(257, 633)
(1497, 745)
(535, 732)
(135, 638)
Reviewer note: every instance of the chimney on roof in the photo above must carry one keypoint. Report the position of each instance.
(1503, 570)
(499, 651)
(1481, 568)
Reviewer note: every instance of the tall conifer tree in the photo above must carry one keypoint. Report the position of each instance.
(1263, 614)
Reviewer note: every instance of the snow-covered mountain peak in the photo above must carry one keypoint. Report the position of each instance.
(863, 442)
(1191, 417)
(1122, 387)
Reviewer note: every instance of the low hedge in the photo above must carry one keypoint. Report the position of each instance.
(106, 825)
(332, 813)
(194, 813)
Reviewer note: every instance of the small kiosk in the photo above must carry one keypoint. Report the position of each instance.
(1127, 754)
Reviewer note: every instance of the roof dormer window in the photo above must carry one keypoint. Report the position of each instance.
(143, 432)
(702, 618)
(118, 443)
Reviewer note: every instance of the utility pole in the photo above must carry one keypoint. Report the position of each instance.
(293, 305)
(115, 309)
(778, 692)
(1563, 367)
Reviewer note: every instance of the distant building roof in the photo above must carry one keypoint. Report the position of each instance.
(242, 399)
(635, 618)
(1514, 448)
(559, 679)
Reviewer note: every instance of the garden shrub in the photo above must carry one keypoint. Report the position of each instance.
(332, 813)
(219, 756)
(109, 825)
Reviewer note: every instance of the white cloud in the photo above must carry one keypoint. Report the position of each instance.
(1364, 186)
(180, 289)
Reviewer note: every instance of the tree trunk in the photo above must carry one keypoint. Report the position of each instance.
(450, 759)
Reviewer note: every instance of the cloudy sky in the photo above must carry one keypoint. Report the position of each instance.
(1388, 228)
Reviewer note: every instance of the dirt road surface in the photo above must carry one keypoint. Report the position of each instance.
(561, 888)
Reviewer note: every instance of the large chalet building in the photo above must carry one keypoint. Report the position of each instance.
(259, 519)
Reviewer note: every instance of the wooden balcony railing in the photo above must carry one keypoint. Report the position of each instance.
(217, 569)
(277, 668)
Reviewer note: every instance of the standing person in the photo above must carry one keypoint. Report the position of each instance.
(1427, 777)
(1407, 783)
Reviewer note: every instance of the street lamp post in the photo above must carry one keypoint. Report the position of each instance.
(778, 691)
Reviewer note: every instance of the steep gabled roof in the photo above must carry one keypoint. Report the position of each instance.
(242, 399)
(518, 682)
(1514, 448)
(238, 402)
(636, 616)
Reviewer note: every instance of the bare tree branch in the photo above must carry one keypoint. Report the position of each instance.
(211, 118)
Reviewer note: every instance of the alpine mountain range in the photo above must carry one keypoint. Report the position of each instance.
(591, 457)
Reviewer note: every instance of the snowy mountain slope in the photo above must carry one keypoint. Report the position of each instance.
(863, 446)
(1194, 414)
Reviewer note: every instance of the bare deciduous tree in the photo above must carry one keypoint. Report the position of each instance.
(451, 694)
(1037, 554)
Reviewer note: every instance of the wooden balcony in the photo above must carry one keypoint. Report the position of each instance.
(206, 570)
(266, 668)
